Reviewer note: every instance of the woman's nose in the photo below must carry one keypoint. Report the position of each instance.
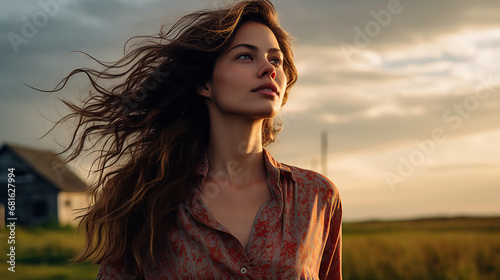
(267, 70)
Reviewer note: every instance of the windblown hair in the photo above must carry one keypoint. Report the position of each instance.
(151, 128)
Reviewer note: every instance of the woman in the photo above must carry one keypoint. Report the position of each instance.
(186, 189)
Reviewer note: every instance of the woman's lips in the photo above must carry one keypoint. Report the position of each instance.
(267, 92)
(267, 89)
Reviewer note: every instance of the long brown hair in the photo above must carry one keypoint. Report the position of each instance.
(151, 129)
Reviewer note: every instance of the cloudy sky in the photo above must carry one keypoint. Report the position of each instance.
(408, 91)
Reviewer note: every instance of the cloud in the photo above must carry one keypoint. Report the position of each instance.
(378, 124)
(334, 22)
(428, 59)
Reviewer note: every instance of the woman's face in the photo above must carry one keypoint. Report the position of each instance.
(248, 77)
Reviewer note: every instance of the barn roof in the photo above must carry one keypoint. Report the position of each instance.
(49, 166)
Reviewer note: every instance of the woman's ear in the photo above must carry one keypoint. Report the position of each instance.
(205, 90)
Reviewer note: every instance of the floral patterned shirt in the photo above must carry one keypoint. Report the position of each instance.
(296, 234)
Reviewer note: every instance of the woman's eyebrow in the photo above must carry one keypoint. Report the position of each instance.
(253, 47)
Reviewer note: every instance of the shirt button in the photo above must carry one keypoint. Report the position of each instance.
(243, 270)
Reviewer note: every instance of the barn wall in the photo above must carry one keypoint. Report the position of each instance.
(68, 202)
(36, 199)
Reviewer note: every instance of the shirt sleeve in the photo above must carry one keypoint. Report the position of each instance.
(331, 261)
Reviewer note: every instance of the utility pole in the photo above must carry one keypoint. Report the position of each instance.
(324, 146)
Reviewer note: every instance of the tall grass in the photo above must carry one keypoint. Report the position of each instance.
(452, 249)
(43, 253)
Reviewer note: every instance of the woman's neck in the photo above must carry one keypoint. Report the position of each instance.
(235, 150)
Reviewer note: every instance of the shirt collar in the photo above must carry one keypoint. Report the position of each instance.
(275, 169)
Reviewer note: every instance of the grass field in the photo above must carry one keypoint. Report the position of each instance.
(441, 249)
(42, 253)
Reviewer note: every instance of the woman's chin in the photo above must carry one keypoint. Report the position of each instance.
(266, 114)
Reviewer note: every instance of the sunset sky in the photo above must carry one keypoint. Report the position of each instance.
(408, 91)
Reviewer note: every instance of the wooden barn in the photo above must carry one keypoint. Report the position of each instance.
(45, 190)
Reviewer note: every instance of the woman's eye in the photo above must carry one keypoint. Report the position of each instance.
(276, 61)
(244, 56)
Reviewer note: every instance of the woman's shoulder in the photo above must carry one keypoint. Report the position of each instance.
(312, 179)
